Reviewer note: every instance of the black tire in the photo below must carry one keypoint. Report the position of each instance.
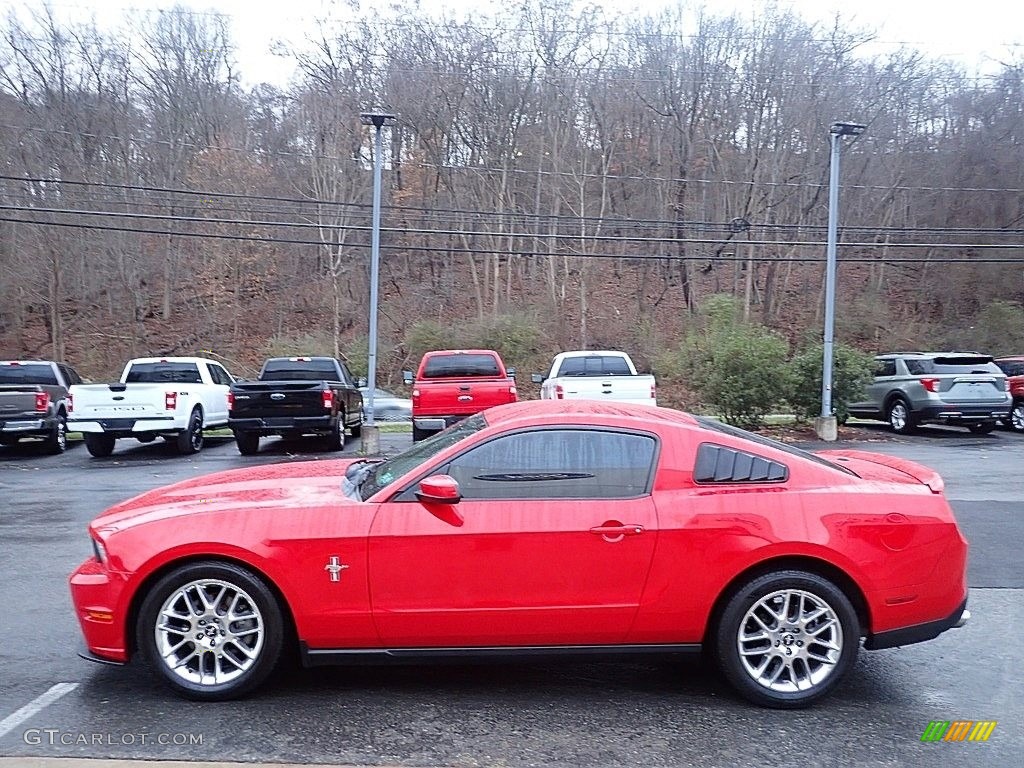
(99, 444)
(357, 430)
(335, 439)
(900, 417)
(248, 443)
(57, 441)
(191, 440)
(8, 442)
(144, 438)
(982, 428)
(256, 599)
(1015, 420)
(420, 434)
(785, 658)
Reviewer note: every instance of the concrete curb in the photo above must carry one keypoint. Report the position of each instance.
(78, 762)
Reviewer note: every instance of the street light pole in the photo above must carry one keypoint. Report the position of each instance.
(371, 437)
(826, 426)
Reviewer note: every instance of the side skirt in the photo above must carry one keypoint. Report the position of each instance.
(316, 657)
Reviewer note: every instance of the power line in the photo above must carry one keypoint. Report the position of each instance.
(534, 252)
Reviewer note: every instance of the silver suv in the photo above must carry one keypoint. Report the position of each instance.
(912, 388)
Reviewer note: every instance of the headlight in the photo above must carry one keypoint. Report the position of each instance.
(99, 550)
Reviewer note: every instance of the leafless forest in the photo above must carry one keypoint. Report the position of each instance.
(557, 179)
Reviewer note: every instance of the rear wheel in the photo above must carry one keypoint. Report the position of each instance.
(419, 434)
(1016, 420)
(357, 430)
(191, 440)
(145, 438)
(248, 443)
(57, 441)
(335, 439)
(787, 639)
(900, 417)
(983, 428)
(214, 631)
(99, 444)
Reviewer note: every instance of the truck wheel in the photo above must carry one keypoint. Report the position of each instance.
(144, 438)
(419, 434)
(248, 443)
(99, 444)
(1016, 420)
(357, 430)
(191, 440)
(57, 441)
(982, 428)
(336, 437)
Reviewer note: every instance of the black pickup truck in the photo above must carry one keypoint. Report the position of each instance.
(295, 397)
(34, 401)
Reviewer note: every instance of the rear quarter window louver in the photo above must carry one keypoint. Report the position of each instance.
(718, 464)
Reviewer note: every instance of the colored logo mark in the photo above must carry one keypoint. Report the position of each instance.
(958, 730)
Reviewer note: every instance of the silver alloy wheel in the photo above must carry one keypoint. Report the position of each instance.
(790, 641)
(209, 632)
(196, 434)
(1017, 417)
(61, 435)
(898, 416)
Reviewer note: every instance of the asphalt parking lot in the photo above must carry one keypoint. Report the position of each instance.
(583, 714)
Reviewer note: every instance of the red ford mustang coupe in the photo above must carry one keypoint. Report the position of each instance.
(537, 528)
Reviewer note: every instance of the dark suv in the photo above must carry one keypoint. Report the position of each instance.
(911, 388)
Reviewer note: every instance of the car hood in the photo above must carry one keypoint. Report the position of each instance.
(299, 484)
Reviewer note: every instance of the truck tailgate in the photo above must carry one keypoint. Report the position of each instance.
(91, 402)
(18, 399)
(277, 399)
(455, 397)
(621, 389)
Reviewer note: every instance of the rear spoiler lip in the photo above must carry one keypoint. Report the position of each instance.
(924, 475)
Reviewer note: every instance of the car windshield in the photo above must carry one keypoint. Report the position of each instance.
(718, 426)
(379, 476)
(456, 366)
(34, 373)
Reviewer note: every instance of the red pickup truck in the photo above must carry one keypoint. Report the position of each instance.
(452, 384)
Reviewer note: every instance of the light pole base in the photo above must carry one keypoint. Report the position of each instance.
(827, 428)
(371, 441)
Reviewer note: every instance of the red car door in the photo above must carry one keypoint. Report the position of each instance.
(550, 544)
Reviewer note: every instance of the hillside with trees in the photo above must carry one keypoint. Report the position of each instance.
(558, 179)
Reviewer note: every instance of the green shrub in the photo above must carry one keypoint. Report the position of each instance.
(425, 335)
(745, 374)
(851, 373)
(514, 337)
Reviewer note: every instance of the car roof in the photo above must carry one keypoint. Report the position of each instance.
(894, 355)
(531, 410)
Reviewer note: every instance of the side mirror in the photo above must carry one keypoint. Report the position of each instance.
(361, 382)
(511, 372)
(537, 378)
(407, 377)
(439, 489)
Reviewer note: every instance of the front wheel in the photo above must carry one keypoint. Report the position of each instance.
(191, 440)
(98, 444)
(214, 631)
(982, 429)
(787, 639)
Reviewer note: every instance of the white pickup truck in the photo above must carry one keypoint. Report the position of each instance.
(596, 375)
(173, 397)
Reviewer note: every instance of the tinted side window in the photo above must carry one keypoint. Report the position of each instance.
(218, 374)
(885, 368)
(557, 463)
(1012, 368)
(594, 365)
(159, 373)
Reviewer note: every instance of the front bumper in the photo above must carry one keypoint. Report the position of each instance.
(919, 632)
(95, 593)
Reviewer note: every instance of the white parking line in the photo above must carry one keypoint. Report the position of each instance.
(34, 707)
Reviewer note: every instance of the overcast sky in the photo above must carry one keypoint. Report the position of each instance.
(977, 34)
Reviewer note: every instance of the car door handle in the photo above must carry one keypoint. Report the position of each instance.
(617, 529)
